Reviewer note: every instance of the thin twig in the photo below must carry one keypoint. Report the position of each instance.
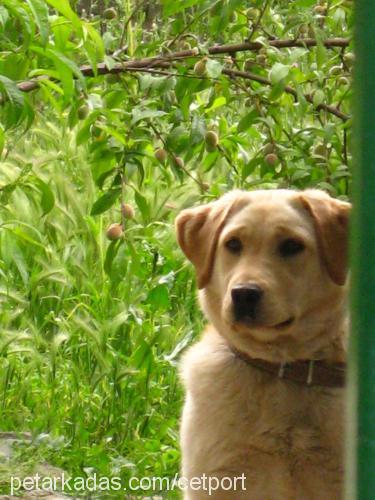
(187, 26)
(289, 90)
(227, 157)
(129, 19)
(257, 23)
(171, 153)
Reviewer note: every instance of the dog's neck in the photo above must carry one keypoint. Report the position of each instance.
(311, 373)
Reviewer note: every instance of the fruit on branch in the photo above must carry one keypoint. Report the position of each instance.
(205, 186)
(261, 59)
(335, 70)
(110, 14)
(271, 159)
(127, 211)
(349, 59)
(343, 80)
(83, 111)
(200, 67)
(320, 150)
(321, 10)
(212, 140)
(252, 14)
(114, 232)
(268, 148)
(161, 155)
(179, 162)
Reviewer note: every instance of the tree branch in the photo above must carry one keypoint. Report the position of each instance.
(167, 59)
(185, 54)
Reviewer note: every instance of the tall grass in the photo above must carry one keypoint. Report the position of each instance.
(87, 354)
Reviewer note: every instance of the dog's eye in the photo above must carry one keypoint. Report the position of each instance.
(234, 245)
(291, 247)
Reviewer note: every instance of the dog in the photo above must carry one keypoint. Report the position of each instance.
(265, 385)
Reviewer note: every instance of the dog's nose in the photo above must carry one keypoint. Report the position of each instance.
(245, 298)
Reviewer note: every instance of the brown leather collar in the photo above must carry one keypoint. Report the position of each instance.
(306, 372)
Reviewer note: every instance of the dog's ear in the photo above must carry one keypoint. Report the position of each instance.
(331, 223)
(198, 230)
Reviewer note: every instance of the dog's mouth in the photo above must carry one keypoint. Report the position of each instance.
(284, 324)
(251, 322)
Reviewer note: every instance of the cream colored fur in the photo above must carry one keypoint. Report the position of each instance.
(286, 438)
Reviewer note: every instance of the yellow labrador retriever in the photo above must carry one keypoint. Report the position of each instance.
(263, 417)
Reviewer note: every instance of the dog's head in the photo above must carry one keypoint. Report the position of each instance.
(271, 265)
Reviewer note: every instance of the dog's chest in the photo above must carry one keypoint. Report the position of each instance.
(282, 417)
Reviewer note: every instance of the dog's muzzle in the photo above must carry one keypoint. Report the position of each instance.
(246, 298)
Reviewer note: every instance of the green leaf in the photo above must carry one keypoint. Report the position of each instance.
(16, 107)
(278, 72)
(94, 46)
(158, 298)
(142, 114)
(2, 140)
(26, 21)
(198, 129)
(105, 202)
(213, 68)
(11, 252)
(304, 3)
(218, 102)
(247, 120)
(96, 39)
(110, 255)
(110, 62)
(66, 68)
(171, 7)
(40, 13)
(321, 54)
(61, 59)
(318, 98)
(11, 91)
(4, 16)
(142, 204)
(47, 201)
(65, 9)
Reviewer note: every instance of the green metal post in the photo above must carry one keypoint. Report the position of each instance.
(361, 413)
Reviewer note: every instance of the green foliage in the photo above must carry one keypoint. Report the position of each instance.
(89, 338)
(92, 329)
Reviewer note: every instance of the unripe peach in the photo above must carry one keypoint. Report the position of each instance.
(83, 111)
(161, 155)
(114, 232)
(110, 14)
(212, 140)
(200, 67)
(271, 159)
(127, 211)
(179, 162)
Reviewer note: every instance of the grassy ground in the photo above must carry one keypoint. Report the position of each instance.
(88, 351)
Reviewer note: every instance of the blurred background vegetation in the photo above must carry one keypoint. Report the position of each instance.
(115, 114)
